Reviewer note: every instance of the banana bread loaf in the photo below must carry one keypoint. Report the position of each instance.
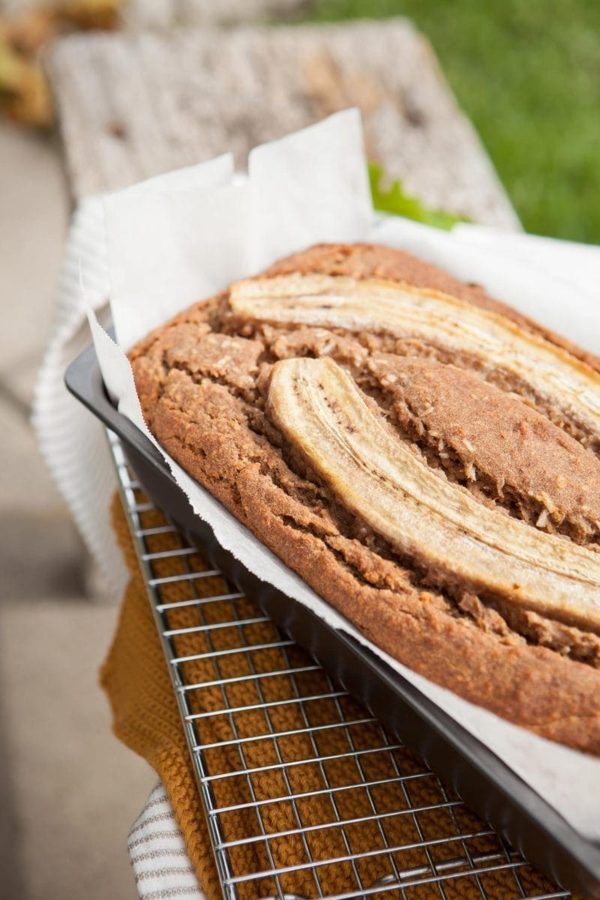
(425, 457)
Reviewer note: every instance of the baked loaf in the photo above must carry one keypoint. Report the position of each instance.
(422, 455)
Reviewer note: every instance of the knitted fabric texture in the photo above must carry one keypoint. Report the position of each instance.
(146, 719)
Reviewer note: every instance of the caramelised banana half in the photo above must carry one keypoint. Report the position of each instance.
(440, 525)
(406, 311)
(424, 457)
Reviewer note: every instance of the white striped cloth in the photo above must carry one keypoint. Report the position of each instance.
(160, 863)
(72, 441)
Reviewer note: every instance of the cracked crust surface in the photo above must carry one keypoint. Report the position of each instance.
(203, 381)
(503, 448)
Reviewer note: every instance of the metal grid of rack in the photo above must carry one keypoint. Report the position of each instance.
(304, 792)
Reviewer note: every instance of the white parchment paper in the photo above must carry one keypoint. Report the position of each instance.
(170, 242)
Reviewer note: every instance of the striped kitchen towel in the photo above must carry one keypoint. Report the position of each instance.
(157, 852)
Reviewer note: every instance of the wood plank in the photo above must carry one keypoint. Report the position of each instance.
(135, 104)
(166, 13)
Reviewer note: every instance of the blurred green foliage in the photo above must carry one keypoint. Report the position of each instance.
(527, 72)
(390, 197)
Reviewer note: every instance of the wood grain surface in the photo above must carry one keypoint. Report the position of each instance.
(135, 104)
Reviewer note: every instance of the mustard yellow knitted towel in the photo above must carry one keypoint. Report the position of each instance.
(146, 719)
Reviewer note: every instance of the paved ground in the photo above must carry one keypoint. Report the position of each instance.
(68, 790)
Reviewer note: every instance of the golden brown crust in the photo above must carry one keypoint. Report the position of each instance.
(202, 393)
(492, 440)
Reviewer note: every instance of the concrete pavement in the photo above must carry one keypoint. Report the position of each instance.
(68, 790)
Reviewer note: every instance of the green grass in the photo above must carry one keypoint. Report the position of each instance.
(527, 72)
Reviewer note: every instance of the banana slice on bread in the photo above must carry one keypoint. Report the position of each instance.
(319, 409)
(405, 311)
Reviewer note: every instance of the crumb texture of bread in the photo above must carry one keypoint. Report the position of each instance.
(204, 381)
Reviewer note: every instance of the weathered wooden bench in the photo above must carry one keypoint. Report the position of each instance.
(135, 104)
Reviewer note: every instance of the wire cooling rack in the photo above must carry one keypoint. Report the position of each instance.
(304, 792)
